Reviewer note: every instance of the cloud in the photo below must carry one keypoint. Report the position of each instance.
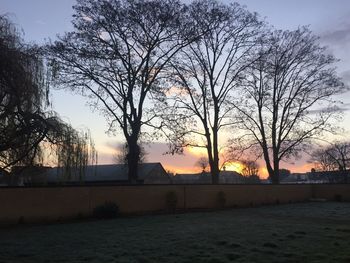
(113, 144)
(40, 22)
(345, 75)
(105, 158)
(337, 33)
(338, 37)
(337, 109)
(185, 162)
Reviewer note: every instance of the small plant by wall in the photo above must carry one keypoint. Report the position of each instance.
(338, 198)
(221, 199)
(107, 210)
(171, 201)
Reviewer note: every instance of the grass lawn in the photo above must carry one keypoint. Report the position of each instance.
(305, 232)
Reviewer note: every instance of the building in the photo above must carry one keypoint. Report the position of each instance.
(320, 177)
(295, 178)
(328, 177)
(148, 173)
(225, 177)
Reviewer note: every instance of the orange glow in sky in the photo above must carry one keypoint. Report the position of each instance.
(186, 164)
(73, 108)
(198, 151)
(234, 166)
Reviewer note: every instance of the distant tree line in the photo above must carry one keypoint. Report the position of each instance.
(190, 72)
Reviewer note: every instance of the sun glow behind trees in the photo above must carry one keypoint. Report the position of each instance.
(57, 20)
(209, 101)
(236, 166)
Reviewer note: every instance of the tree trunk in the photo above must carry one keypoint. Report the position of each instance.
(213, 158)
(270, 170)
(276, 171)
(275, 175)
(215, 169)
(133, 158)
(215, 172)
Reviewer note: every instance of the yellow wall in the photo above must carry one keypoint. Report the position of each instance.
(55, 203)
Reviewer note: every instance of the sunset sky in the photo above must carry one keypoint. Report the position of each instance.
(44, 19)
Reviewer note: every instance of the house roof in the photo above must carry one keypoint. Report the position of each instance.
(106, 172)
(206, 177)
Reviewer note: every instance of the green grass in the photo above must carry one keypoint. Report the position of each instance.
(307, 232)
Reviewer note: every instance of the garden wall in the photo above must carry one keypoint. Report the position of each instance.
(42, 204)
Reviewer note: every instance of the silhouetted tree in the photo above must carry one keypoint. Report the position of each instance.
(74, 150)
(121, 156)
(23, 124)
(27, 131)
(116, 56)
(250, 172)
(204, 75)
(202, 163)
(287, 97)
(323, 161)
(335, 157)
(250, 168)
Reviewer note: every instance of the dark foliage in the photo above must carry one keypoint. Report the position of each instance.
(221, 199)
(23, 124)
(105, 211)
(28, 130)
(171, 200)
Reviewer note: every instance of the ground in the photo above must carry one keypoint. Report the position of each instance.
(304, 232)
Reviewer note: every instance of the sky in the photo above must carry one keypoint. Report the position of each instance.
(42, 20)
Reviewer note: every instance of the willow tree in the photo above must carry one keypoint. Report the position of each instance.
(23, 124)
(205, 75)
(116, 56)
(27, 127)
(287, 98)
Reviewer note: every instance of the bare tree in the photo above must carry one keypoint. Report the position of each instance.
(117, 54)
(287, 97)
(335, 157)
(202, 163)
(250, 168)
(205, 74)
(323, 161)
(250, 172)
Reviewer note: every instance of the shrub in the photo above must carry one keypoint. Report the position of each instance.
(107, 210)
(221, 199)
(171, 200)
(338, 198)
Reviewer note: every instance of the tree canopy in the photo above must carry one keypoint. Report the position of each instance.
(287, 97)
(117, 54)
(205, 76)
(191, 70)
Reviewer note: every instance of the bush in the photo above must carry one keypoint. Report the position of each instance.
(221, 199)
(338, 198)
(171, 200)
(107, 210)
